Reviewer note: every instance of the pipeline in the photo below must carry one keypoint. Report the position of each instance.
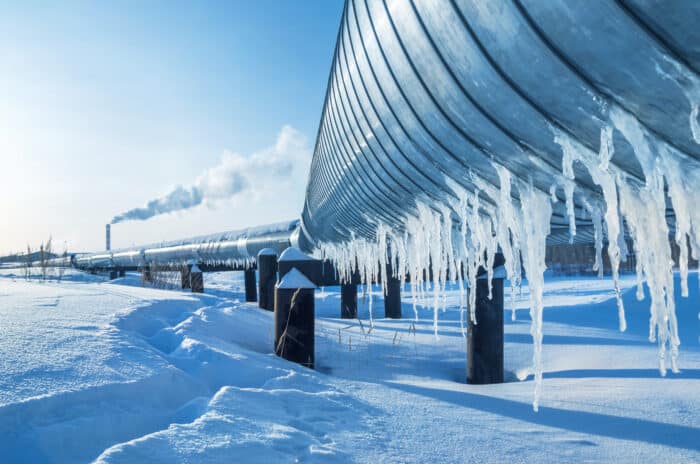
(232, 250)
(426, 100)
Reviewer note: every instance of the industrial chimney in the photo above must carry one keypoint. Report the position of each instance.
(108, 237)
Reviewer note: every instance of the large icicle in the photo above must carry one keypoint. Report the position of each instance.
(683, 179)
(535, 218)
(507, 234)
(644, 209)
(599, 169)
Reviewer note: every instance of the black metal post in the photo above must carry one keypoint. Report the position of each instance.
(122, 273)
(196, 279)
(251, 293)
(267, 278)
(348, 301)
(113, 275)
(485, 338)
(392, 299)
(294, 319)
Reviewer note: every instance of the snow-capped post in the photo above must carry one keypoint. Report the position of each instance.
(348, 301)
(485, 338)
(267, 278)
(294, 318)
(251, 293)
(294, 258)
(392, 299)
(196, 279)
(185, 276)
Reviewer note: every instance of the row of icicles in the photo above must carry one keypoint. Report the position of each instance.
(519, 228)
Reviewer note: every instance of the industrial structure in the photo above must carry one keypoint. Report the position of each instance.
(436, 106)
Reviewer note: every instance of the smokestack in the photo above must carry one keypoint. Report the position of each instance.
(108, 237)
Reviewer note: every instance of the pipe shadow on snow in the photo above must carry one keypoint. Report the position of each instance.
(603, 315)
(233, 295)
(526, 339)
(622, 373)
(605, 425)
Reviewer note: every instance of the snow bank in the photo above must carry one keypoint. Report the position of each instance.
(121, 373)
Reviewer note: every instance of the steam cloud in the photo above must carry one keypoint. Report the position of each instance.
(234, 175)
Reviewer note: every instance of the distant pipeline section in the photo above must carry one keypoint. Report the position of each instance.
(233, 250)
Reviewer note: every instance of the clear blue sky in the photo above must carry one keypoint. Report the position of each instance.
(106, 105)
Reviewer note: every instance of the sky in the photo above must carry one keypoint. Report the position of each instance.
(106, 106)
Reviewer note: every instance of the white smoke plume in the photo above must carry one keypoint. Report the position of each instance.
(235, 175)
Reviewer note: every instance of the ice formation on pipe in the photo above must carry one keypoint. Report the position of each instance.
(441, 127)
(452, 240)
(643, 207)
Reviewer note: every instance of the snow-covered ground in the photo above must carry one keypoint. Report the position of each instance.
(115, 372)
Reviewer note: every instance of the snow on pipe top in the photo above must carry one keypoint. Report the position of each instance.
(452, 130)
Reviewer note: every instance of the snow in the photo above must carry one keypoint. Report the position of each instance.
(293, 254)
(295, 279)
(116, 372)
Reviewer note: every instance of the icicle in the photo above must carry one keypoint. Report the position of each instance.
(448, 269)
(476, 254)
(598, 166)
(382, 250)
(644, 209)
(694, 124)
(567, 168)
(536, 213)
(682, 179)
(462, 302)
(607, 149)
(435, 259)
(507, 233)
(553, 193)
(597, 235)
